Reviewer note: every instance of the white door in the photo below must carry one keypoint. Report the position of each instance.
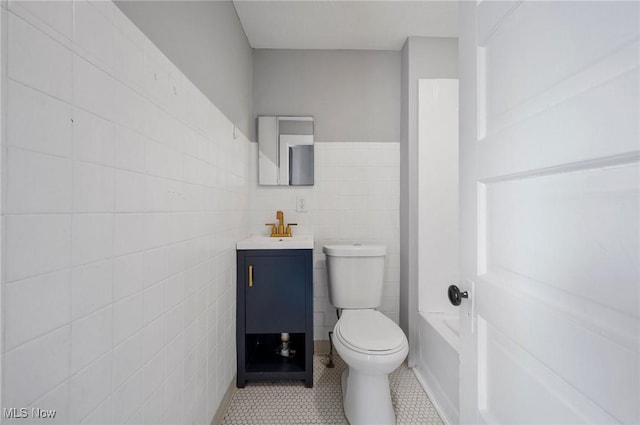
(550, 214)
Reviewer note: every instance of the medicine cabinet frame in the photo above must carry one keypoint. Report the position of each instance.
(285, 151)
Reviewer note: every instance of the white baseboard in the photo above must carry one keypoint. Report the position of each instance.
(225, 403)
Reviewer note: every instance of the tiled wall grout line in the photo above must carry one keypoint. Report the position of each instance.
(11, 350)
(18, 281)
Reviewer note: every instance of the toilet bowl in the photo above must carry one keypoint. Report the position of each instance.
(370, 343)
(372, 346)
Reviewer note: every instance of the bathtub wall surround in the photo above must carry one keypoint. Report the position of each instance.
(355, 199)
(124, 192)
(432, 354)
(438, 264)
(422, 57)
(435, 327)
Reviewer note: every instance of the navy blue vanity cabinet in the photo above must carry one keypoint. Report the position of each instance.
(275, 295)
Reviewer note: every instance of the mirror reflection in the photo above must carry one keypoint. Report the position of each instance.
(285, 151)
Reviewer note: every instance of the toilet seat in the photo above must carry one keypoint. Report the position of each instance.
(369, 332)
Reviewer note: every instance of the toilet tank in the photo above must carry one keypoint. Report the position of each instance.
(355, 274)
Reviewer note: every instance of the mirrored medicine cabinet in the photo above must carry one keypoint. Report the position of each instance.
(285, 151)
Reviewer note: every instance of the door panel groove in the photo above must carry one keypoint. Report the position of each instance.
(564, 356)
(604, 71)
(557, 393)
(621, 160)
(557, 136)
(574, 230)
(620, 327)
(491, 16)
(538, 61)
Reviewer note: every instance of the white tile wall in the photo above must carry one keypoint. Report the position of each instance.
(355, 199)
(91, 337)
(36, 367)
(91, 288)
(35, 244)
(55, 18)
(94, 139)
(37, 305)
(37, 183)
(93, 188)
(25, 106)
(124, 194)
(49, 71)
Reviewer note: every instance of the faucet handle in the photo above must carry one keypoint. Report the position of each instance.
(288, 231)
(273, 228)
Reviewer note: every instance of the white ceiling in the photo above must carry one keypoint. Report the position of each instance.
(322, 24)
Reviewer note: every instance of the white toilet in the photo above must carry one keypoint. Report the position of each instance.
(370, 343)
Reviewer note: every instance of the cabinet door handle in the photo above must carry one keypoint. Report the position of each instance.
(250, 276)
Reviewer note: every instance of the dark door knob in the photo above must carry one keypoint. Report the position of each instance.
(455, 296)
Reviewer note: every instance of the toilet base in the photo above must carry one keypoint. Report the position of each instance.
(367, 398)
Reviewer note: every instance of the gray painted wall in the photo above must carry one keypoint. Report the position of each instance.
(422, 57)
(206, 41)
(353, 95)
(403, 308)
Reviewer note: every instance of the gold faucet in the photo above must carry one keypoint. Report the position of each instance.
(280, 218)
(278, 230)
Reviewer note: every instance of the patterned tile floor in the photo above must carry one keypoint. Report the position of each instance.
(276, 403)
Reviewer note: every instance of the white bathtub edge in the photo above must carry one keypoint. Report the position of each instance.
(436, 320)
(437, 365)
(441, 412)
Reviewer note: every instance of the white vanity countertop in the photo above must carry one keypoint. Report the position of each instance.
(267, 242)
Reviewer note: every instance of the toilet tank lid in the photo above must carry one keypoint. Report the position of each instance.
(355, 250)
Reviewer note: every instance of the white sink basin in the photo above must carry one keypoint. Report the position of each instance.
(267, 242)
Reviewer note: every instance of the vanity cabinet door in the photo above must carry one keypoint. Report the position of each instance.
(275, 295)
(275, 292)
